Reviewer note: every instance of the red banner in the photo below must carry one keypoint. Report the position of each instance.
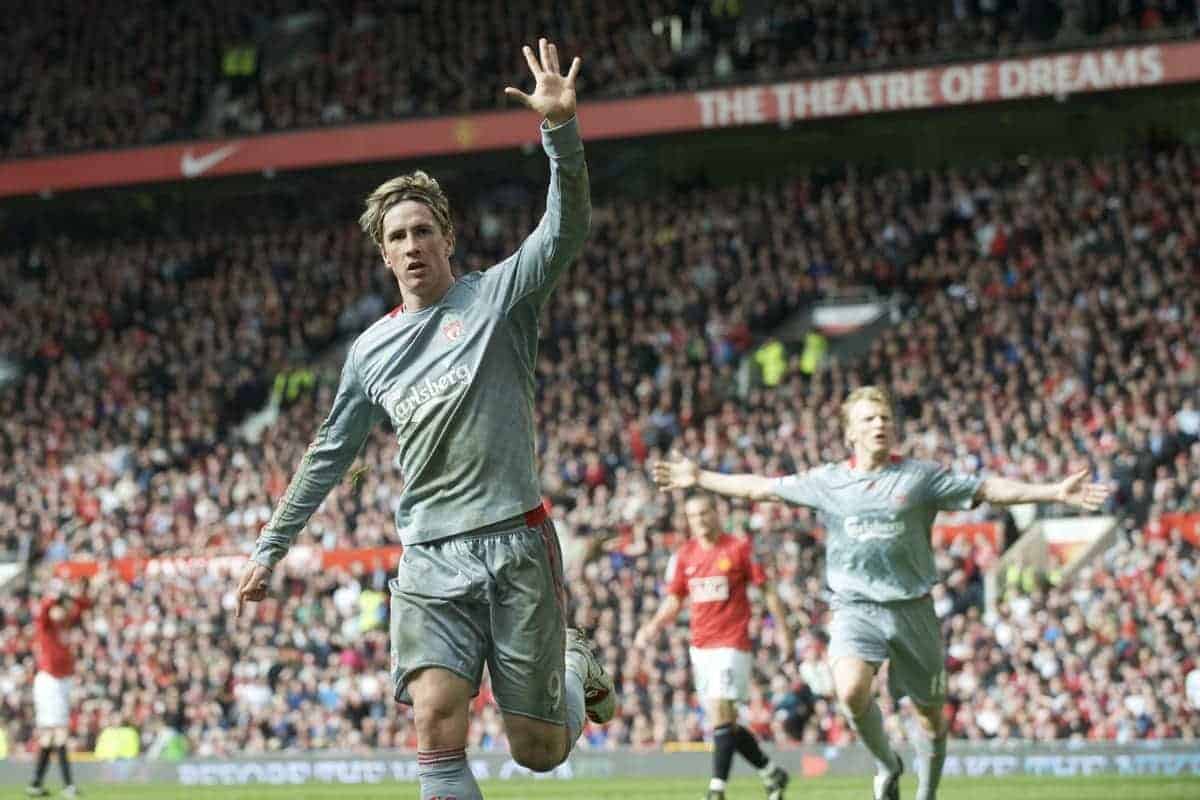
(1187, 524)
(781, 104)
(308, 560)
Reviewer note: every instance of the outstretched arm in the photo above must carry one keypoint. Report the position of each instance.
(534, 269)
(684, 474)
(326, 460)
(1072, 492)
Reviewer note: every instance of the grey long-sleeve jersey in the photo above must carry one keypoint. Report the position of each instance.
(456, 379)
(878, 524)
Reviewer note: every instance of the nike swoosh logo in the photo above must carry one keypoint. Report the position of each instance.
(192, 166)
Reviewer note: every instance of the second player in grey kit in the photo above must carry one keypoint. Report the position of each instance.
(878, 511)
(452, 369)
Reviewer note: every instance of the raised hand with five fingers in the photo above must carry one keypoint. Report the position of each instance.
(554, 93)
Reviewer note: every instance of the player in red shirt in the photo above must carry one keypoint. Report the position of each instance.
(52, 685)
(715, 570)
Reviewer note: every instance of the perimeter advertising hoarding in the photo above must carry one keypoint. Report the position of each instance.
(308, 560)
(1051, 75)
(1045, 759)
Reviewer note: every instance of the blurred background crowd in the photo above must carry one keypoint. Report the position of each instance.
(146, 72)
(1047, 319)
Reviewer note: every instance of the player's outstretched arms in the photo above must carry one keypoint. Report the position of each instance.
(682, 473)
(1071, 491)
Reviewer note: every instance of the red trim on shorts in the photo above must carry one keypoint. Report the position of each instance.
(536, 516)
(550, 542)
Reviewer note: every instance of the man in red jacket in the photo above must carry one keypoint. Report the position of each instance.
(56, 613)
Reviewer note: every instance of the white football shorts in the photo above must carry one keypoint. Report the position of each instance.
(721, 673)
(51, 700)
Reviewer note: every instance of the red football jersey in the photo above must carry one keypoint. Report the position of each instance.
(715, 578)
(52, 653)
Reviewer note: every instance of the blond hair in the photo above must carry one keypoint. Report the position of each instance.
(874, 394)
(416, 186)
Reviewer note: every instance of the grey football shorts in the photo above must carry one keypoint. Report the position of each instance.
(489, 596)
(906, 634)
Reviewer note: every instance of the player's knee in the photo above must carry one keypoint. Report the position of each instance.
(854, 700)
(539, 755)
(932, 720)
(853, 689)
(724, 713)
(436, 722)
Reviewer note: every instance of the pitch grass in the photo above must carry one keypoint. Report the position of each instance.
(1012, 788)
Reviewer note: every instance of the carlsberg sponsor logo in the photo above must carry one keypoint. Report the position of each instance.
(403, 402)
(864, 528)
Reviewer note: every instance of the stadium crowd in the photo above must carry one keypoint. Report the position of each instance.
(122, 440)
(1104, 658)
(136, 367)
(142, 73)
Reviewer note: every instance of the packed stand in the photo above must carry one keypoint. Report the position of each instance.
(122, 438)
(1103, 659)
(1107, 657)
(142, 73)
(1053, 322)
(136, 369)
(166, 656)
